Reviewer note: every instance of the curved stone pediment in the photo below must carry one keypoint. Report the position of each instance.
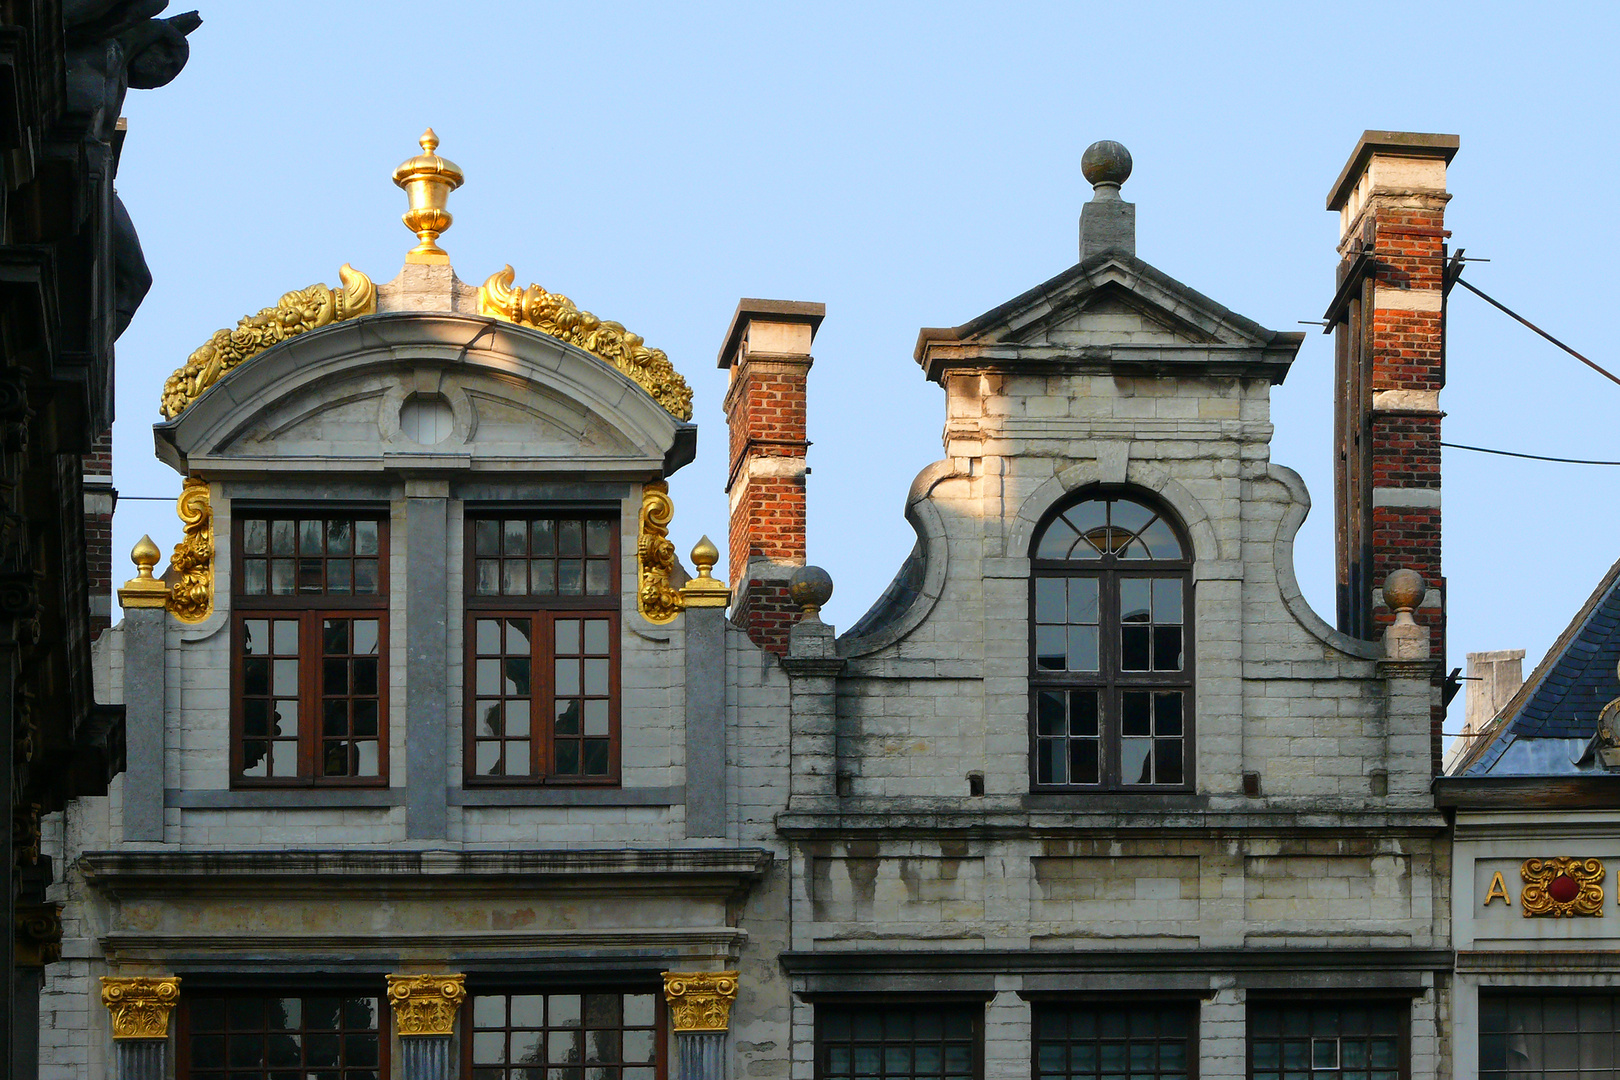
(426, 392)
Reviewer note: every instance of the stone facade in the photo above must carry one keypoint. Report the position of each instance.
(845, 830)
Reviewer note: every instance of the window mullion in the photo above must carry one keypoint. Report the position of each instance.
(309, 696)
(541, 685)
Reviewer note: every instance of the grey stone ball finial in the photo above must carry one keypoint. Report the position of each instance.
(810, 587)
(1106, 162)
(1403, 592)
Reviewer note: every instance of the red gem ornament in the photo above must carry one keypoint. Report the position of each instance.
(1563, 888)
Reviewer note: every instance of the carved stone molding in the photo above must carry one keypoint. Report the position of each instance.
(38, 934)
(657, 599)
(296, 313)
(191, 593)
(554, 315)
(140, 1006)
(426, 1004)
(700, 1000)
(1561, 887)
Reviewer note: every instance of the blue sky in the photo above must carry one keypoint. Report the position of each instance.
(914, 165)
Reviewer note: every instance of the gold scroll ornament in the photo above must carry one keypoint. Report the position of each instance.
(1536, 898)
(191, 592)
(140, 1006)
(296, 313)
(657, 599)
(555, 315)
(700, 1000)
(426, 1004)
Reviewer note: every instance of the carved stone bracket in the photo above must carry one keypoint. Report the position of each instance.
(1561, 887)
(700, 1000)
(191, 593)
(140, 1006)
(555, 315)
(296, 313)
(38, 934)
(657, 599)
(426, 1004)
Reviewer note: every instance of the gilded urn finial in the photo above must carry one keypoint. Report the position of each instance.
(428, 180)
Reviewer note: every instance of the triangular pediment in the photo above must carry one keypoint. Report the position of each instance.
(1112, 308)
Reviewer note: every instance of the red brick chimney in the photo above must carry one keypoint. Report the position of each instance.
(99, 501)
(767, 351)
(1389, 318)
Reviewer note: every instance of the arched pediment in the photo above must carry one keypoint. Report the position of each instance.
(435, 391)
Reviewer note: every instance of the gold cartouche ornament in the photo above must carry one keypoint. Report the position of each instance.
(428, 180)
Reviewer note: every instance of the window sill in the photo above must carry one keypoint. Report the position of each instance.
(283, 798)
(567, 796)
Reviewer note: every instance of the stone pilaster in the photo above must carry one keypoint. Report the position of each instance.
(700, 1008)
(140, 1008)
(425, 1008)
(427, 813)
(813, 665)
(144, 599)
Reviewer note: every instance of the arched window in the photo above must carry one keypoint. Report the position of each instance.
(1111, 658)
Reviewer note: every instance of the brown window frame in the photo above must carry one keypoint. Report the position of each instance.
(184, 1031)
(1124, 1002)
(974, 1007)
(1401, 1004)
(310, 610)
(545, 610)
(469, 1030)
(1110, 679)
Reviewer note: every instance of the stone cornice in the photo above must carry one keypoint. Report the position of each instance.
(1117, 820)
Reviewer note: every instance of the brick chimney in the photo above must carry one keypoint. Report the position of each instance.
(1388, 316)
(100, 498)
(767, 352)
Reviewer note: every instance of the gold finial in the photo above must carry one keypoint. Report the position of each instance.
(143, 590)
(704, 590)
(428, 180)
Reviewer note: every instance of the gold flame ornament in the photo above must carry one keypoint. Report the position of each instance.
(428, 180)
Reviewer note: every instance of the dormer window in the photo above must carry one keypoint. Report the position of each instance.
(310, 633)
(1111, 658)
(542, 648)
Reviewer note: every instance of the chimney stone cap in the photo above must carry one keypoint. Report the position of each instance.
(789, 311)
(1412, 144)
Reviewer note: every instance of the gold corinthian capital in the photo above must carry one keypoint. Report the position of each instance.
(426, 1004)
(700, 1000)
(140, 1006)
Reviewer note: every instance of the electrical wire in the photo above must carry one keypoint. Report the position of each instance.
(1532, 457)
(1611, 376)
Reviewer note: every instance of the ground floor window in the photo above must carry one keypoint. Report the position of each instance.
(1548, 1036)
(281, 1036)
(1327, 1041)
(564, 1036)
(1090, 1041)
(896, 1041)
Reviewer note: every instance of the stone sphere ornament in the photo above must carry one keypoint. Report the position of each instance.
(810, 587)
(1404, 590)
(1106, 162)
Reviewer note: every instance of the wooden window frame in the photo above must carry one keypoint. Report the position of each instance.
(1341, 1000)
(184, 1031)
(310, 610)
(1189, 1005)
(466, 1028)
(546, 610)
(1109, 571)
(973, 1005)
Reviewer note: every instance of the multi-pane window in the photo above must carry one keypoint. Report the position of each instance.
(1563, 1036)
(310, 634)
(897, 1041)
(1327, 1041)
(570, 1036)
(1143, 1041)
(1111, 663)
(542, 649)
(281, 1037)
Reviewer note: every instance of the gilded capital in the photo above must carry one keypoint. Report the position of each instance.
(426, 1004)
(700, 1000)
(38, 934)
(139, 1005)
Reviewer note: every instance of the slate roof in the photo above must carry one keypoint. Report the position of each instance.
(1564, 694)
